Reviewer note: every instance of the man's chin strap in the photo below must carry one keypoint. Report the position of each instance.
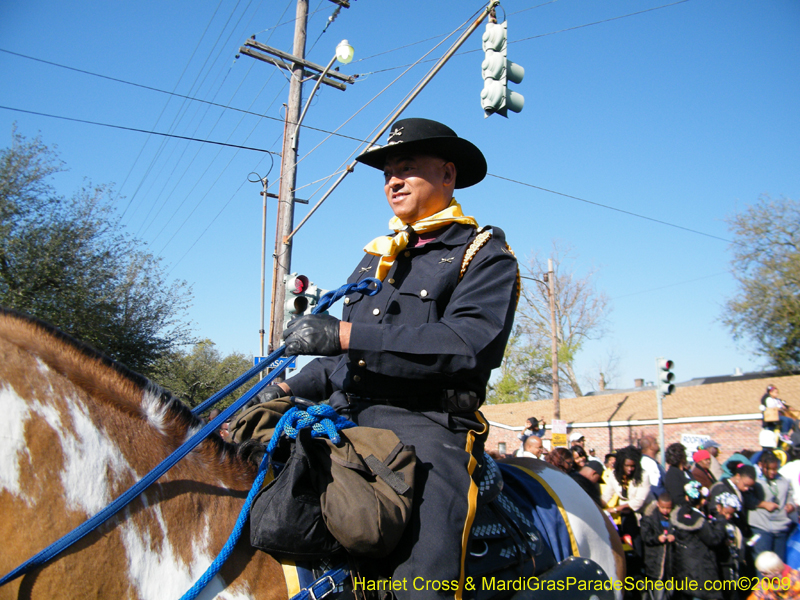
(389, 246)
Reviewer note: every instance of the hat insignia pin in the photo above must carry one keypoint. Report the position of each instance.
(397, 132)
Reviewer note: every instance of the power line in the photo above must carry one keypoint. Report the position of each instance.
(626, 212)
(160, 91)
(285, 22)
(163, 110)
(541, 35)
(171, 135)
(633, 14)
(663, 287)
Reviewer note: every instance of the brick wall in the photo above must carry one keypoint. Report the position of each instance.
(732, 436)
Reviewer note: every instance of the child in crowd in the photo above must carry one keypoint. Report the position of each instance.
(730, 552)
(658, 535)
(696, 540)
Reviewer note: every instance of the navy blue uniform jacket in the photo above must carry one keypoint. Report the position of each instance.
(425, 331)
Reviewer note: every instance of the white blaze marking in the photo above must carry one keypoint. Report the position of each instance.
(89, 455)
(15, 412)
(92, 463)
(158, 572)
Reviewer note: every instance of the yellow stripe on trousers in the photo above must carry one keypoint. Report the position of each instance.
(472, 497)
(290, 575)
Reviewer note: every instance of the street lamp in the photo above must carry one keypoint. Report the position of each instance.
(344, 54)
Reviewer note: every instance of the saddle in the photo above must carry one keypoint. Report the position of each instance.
(511, 540)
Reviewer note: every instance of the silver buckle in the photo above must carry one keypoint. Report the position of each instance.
(332, 588)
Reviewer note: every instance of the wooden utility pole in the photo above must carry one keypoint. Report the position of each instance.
(299, 69)
(283, 254)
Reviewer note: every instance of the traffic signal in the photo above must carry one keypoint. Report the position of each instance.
(497, 71)
(664, 384)
(300, 297)
(295, 298)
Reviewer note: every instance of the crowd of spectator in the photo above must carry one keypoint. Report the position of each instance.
(697, 518)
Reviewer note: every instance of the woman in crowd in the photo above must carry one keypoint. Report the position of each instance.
(579, 457)
(677, 476)
(628, 492)
(561, 459)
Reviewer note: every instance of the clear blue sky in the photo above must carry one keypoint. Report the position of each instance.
(685, 114)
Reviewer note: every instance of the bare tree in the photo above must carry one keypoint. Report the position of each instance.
(604, 371)
(581, 311)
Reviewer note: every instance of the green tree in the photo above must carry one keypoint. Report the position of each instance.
(196, 375)
(766, 264)
(67, 261)
(523, 375)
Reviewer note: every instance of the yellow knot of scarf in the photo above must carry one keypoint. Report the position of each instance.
(389, 246)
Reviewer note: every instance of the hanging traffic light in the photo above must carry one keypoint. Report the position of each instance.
(497, 71)
(665, 376)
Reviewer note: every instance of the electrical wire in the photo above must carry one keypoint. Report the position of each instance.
(206, 170)
(531, 8)
(191, 161)
(663, 287)
(285, 22)
(201, 119)
(163, 109)
(179, 115)
(169, 135)
(541, 35)
(606, 206)
(633, 14)
(160, 91)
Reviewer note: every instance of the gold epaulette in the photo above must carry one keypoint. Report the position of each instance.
(478, 243)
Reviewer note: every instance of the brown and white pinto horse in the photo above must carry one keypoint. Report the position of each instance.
(77, 430)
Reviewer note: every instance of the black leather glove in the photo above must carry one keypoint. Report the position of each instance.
(271, 392)
(313, 334)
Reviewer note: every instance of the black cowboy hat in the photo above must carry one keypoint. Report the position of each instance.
(430, 137)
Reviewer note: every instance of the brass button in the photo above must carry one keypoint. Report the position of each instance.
(356, 378)
(362, 363)
(423, 293)
(390, 281)
(407, 253)
(347, 300)
(376, 311)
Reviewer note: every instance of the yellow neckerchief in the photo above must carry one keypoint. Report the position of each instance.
(389, 246)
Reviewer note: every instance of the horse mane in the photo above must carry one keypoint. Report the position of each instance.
(110, 381)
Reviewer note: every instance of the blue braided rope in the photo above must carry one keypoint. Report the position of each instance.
(57, 547)
(323, 421)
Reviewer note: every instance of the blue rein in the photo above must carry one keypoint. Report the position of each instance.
(369, 286)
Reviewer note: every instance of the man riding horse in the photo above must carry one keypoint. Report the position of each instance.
(416, 357)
